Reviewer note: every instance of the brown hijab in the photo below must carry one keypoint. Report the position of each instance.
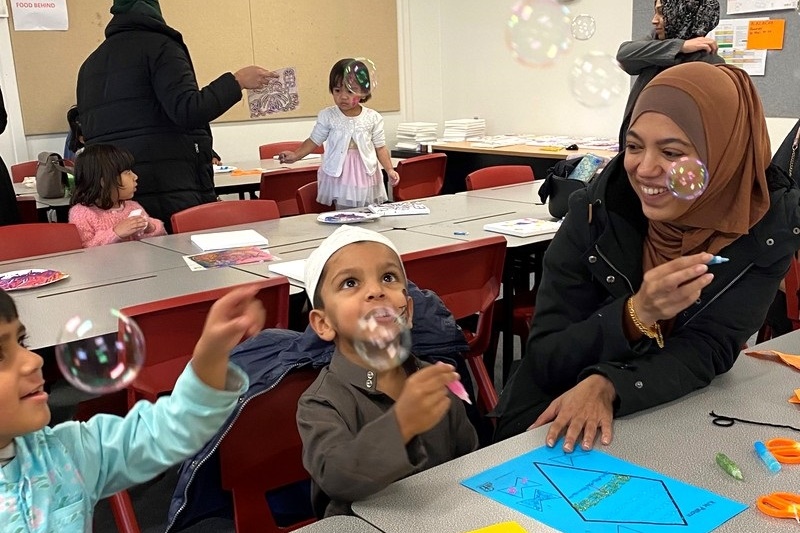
(718, 108)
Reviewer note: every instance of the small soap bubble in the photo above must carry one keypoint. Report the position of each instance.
(596, 80)
(383, 340)
(100, 362)
(583, 27)
(360, 77)
(687, 178)
(538, 31)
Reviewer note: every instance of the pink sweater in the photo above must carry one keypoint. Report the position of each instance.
(96, 225)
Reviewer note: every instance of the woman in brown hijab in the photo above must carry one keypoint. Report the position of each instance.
(629, 313)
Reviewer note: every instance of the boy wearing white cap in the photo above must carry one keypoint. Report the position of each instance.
(362, 429)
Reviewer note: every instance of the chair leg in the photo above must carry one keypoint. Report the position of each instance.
(122, 508)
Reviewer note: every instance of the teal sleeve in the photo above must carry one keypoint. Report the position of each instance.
(114, 453)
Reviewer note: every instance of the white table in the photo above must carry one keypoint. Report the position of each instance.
(44, 315)
(677, 439)
(227, 182)
(526, 193)
(339, 524)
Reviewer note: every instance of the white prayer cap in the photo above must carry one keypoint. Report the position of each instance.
(337, 240)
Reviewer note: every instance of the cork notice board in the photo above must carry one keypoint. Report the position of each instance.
(309, 35)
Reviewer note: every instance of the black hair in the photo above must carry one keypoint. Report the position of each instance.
(75, 129)
(8, 310)
(97, 174)
(336, 77)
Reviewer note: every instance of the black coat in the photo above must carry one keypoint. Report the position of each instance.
(138, 90)
(783, 155)
(9, 214)
(593, 266)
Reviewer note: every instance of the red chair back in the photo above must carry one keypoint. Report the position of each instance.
(172, 326)
(306, 197)
(420, 177)
(479, 264)
(281, 186)
(26, 240)
(249, 470)
(268, 151)
(498, 175)
(20, 171)
(225, 213)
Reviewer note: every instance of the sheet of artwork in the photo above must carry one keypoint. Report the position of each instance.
(279, 95)
(583, 491)
(230, 257)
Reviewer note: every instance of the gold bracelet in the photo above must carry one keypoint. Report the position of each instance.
(652, 332)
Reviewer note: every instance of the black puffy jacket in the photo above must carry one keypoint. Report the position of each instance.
(138, 91)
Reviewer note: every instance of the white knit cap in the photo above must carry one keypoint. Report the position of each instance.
(337, 240)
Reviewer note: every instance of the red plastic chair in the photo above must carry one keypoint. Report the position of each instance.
(268, 151)
(498, 176)
(249, 470)
(479, 265)
(20, 171)
(225, 213)
(27, 240)
(306, 197)
(172, 326)
(420, 177)
(281, 186)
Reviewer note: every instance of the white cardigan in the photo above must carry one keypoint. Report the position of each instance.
(365, 130)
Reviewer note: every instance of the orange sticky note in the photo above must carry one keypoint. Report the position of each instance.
(503, 527)
(789, 359)
(765, 34)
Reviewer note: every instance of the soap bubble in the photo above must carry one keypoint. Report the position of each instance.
(583, 27)
(596, 80)
(100, 362)
(687, 178)
(360, 77)
(384, 339)
(538, 31)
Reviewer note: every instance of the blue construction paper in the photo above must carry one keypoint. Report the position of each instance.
(593, 491)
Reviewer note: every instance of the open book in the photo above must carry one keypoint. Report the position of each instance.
(524, 227)
(400, 208)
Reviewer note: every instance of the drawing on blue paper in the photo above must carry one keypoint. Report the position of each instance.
(591, 490)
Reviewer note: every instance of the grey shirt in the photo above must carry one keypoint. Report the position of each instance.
(646, 58)
(352, 445)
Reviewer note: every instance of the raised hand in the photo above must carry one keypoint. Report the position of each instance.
(424, 399)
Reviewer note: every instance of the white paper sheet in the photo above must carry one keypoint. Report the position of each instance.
(229, 239)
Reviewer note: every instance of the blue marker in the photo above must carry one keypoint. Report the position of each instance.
(772, 464)
(717, 260)
(460, 233)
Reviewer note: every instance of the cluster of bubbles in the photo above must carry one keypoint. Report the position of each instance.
(687, 178)
(383, 340)
(596, 80)
(539, 32)
(100, 363)
(360, 76)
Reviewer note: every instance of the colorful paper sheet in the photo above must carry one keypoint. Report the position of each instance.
(232, 257)
(502, 527)
(787, 358)
(593, 491)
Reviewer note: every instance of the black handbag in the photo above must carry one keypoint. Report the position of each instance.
(557, 187)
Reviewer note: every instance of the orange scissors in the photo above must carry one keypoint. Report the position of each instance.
(780, 505)
(786, 451)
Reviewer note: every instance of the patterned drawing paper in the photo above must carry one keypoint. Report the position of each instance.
(231, 257)
(279, 95)
(593, 491)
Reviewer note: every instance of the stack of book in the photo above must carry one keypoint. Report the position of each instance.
(464, 129)
(412, 135)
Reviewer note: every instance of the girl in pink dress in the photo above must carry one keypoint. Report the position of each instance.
(355, 144)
